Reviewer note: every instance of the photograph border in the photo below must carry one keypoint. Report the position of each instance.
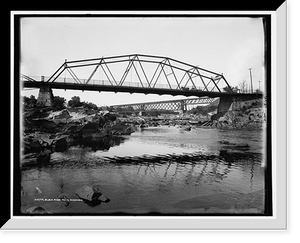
(148, 221)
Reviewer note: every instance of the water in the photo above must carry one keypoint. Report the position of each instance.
(161, 170)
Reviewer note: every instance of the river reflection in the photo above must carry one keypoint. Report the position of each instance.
(157, 170)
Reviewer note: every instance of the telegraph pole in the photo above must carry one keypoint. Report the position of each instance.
(251, 79)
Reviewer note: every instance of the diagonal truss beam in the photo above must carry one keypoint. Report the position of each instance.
(94, 71)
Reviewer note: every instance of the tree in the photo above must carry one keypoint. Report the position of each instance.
(26, 101)
(228, 89)
(59, 103)
(203, 110)
(235, 89)
(89, 105)
(243, 86)
(74, 102)
(29, 102)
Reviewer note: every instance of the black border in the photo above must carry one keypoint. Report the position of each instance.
(217, 5)
(17, 172)
(17, 128)
(268, 171)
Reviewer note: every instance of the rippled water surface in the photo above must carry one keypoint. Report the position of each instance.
(163, 170)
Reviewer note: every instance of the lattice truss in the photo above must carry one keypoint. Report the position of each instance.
(182, 104)
(139, 70)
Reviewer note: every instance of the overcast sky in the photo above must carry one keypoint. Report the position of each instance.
(223, 45)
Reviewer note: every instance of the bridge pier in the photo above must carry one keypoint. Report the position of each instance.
(142, 110)
(183, 106)
(45, 97)
(224, 106)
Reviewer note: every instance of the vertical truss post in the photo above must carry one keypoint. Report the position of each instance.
(143, 71)
(178, 86)
(138, 74)
(161, 65)
(166, 77)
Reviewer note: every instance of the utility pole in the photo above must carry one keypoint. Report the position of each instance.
(251, 80)
(259, 85)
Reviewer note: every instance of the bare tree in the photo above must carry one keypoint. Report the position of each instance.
(243, 86)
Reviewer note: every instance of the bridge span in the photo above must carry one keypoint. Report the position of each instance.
(133, 89)
(137, 73)
(174, 105)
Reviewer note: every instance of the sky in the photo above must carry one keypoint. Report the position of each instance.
(224, 45)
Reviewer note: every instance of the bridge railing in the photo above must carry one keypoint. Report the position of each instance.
(31, 78)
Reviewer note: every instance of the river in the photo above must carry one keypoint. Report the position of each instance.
(155, 171)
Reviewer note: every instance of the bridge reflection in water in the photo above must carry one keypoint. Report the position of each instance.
(159, 171)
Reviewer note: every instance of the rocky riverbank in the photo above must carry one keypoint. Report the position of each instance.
(244, 115)
(47, 131)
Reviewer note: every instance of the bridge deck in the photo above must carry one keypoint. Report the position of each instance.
(143, 90)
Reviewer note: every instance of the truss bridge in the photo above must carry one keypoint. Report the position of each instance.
(173, 105)
(136, 73)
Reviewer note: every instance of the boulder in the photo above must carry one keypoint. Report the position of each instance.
(44, 156)
(61, 145)
(44, 124)
(37, 113)
(44, 139)
(63, 114)
(89, 112)
(143, 125)
(35, 146)
(100, 120)
(36, 210)
(140, 120)
(104, 113)
(91, 193)
(111, 117)
(187, 128)
(89, 128)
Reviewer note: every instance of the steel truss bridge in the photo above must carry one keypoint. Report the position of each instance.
(135, 73)
(138, 73)
(181, 104)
